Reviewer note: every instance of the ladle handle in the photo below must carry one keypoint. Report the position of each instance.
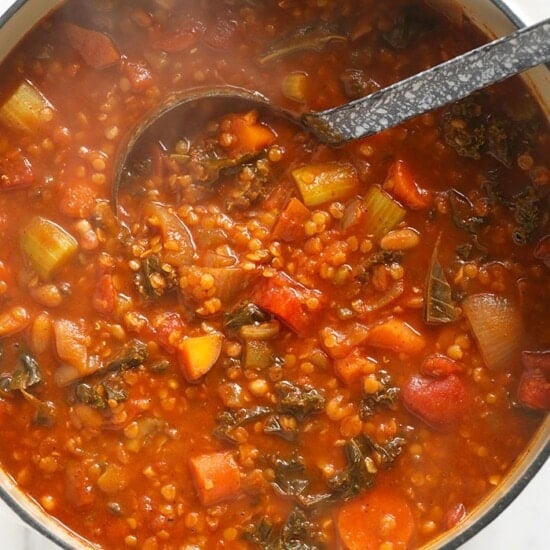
(445, 83)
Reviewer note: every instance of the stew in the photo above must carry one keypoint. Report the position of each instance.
(257, 340)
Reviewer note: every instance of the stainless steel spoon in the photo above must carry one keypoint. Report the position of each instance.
(435, 87)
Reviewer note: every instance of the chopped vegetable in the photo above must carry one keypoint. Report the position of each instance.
(383, 213)
(361, 522)
(407, 27)
(216, 476)
(287, 300)
(26, 374)
(308, 38)
(247, 314)
(26, 109)
(47, 246)
(398, 336)
(497, 325)
(438, 365)
(71, 347)
(14, 320)
(401, 184)
(534, 385)
(440, 402)
(197, 355)
(324, 182)
(16, 171)
(257, 354)
(179, 248)
(250, 135)
(439, 307)
(95, 47)
(298, 401)
(295, 86)
(228, 421)
(289, 226)
(387, 394)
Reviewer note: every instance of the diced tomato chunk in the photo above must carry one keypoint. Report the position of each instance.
(251, 136)
(77, 200)
(105, 294)
(440, 402)
(534, 385)
(400, 183)
(16, 171)
(440, 365)
(139, 75)
(95, 47)
(169, 329)
(286, 299)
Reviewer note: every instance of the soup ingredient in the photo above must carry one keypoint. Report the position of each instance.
(47, 246)
(497, 325)
(374, 520)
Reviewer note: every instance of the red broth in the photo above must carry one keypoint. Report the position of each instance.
(267, 342)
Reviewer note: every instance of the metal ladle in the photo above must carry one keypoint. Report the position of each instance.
(435, 87)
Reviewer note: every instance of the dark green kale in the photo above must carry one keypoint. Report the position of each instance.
(298, 401)
(132, 355)
(154, 278)
(26, 374)
(246, 314)
(408, 26)
(229, 420)
(387, 395)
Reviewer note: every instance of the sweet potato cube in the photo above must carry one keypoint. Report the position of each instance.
(197, 355)
(216, 477)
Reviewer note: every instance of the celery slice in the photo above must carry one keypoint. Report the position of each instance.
(24, 110)
(324, 182)
(47, 245)
(383, 213)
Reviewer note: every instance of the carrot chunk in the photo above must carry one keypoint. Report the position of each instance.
(251, 136)
(290, 224)
(199, 354)
(95, 48)
(400, 183)
(375, 519)
(398, 336)
(216, 477)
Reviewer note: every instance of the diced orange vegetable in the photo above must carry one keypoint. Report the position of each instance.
(16, 171)
(216, 477)
(290, 224)
(70, 343)
(400, 183)
(326, 181)
(398, 336)
(95, 47)
(351, 368)
(105, 294)
(14, 320)
(377, 518)
(197, 355)
(251, 135)
(440, 365)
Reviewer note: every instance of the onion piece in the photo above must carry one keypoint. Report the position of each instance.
(497, 325)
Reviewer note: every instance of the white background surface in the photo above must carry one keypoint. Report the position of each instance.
(524, 525)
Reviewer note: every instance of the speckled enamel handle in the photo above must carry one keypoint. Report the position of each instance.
(445, 83)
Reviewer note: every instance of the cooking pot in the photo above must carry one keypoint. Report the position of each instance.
(496, 18)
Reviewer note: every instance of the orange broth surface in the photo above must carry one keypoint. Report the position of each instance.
(266, 342)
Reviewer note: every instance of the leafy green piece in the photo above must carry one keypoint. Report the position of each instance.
(387, 395)
(26, 374)
(439, 307)
(153, 281)
(385, 454)
(358, 474)
(314, 37)
(274, 425)
(298, 401)
(530, 214)
(227, 421)
(97, 396)
(133, 354)
(246, 314)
